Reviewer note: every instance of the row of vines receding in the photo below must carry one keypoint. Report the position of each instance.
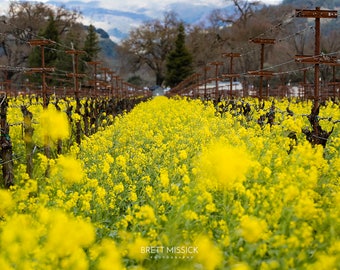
(31, 123)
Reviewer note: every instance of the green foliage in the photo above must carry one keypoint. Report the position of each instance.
(202, 177)
(179, 61)
(51, 33)
(65, 62)
(51, 53)
(91, 46)
(136, 80)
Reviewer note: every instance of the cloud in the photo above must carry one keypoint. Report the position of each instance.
(117, 17)
(153, 6)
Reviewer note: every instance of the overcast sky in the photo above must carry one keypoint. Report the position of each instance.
(127, 5)
(121, 4)
(150, 8)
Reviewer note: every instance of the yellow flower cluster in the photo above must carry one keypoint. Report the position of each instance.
(53, 124)
(224, 166)
(69, 168)
(252, 229)
(178, 184)
(49, 239)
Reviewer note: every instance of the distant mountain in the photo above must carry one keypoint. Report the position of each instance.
(118, 23)
(108, 47)
(329, 4)
(115, 22)
(191, 13)
(108, 52)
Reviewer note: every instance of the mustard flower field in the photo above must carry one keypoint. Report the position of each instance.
(175, 184)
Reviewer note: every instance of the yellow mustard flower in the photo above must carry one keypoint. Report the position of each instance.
(70, 169)
(107, 255)
(223, 165)
(208, 255)
(119, 188)
(325, 262)
(252, 228)
(7, 203)
(54, 124)
(306, 208)
(164, 177)
(136, 249)
(146, 215)
(240, 266)
(190, 215)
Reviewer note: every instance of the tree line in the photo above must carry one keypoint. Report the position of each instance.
(149, 48)
(27, 21)
(167, 50)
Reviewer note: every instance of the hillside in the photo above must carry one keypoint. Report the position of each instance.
(117, 22)
(108, 47)
(330, 4)
(329, 25)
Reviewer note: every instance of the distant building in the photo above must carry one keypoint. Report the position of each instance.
(157, 90)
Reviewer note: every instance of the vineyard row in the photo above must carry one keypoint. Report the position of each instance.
(85, 115)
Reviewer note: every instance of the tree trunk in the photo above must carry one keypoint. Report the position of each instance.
(28, 134)
(6, 145)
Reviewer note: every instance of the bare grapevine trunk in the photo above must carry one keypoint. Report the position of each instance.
(59, 142)
(28, 134)
(6, 145)
(78, 123)
(317, 135)
(86, 118)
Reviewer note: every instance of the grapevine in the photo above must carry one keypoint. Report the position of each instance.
(172, 182)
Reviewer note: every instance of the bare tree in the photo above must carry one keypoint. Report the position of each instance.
(204, 45)
(25, 21)
(330, 46)
(242, 11)
(32, 17)
(150, 44)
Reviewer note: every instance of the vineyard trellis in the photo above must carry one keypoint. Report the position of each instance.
(110, 96)
(198, 88)
(6, 145)
(207, 84)
(218, 180)
(191, 86)
(108, 93)
(90, 113)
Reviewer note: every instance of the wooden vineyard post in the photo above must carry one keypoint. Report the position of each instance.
(94, 81)
(216, 64)
(334, 83)
(205, 71)
(317, 58)
(105, 84)
(112, 85)
(317, 136)
(196, 88)
(75, 75)
(6, 145)
(5, 85)
(119, 88)
(261, 72)
(304, 83)
(231, 75)
(43, 70)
